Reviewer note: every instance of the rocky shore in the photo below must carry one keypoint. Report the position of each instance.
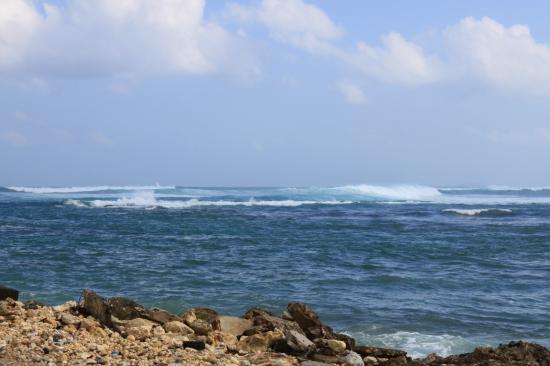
(118, 331)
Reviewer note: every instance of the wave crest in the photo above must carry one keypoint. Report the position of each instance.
(480, 211)
(399, 192)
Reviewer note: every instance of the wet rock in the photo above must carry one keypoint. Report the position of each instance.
(8, 292)
(234, 325)
(177, 327)
(96, 306)
(198, 345)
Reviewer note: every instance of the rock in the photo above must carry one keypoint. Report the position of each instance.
(370, 361)
(66, 306)
(161, 316)
(139, 327)
(234, 325)
(198, 345)
(126, 309)
(253, 313)
(96, 306)
(310, 323)
(69, 319)
(8, 292)
(295, 338)
(314, 363)
(177, 327)
(205, 314)
(353, 359)
(200, 327)
(33, 305)
(336, 345)
(379, 352)
(244, 363)
(259, 342)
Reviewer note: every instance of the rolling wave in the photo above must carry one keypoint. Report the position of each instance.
(399, 192)
(480, 211)
(148, 200)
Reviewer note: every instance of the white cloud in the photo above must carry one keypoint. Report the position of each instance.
(352, 93)
(293, 22)
(124, 38)
(397, 61)
(507, 57)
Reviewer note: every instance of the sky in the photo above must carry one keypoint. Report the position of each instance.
(274, 92)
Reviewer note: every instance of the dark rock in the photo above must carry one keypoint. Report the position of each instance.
(251, 314)
(7, 292)
(198, 345)
(378, 352)
(46, 350)
(96, 306)
(205, 314)
(125, 309)
(314, 363)
(255, 330)
(511, 354)
(311, 324)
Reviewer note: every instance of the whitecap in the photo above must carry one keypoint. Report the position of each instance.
(479, 211)
(398, 192)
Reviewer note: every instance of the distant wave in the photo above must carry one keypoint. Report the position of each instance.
(85, 189)
(399, 192)
(480, 211)
(148, 200)
(417, 345)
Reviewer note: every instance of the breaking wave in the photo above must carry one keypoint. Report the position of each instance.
(399, 192)
(85, 189)
(418, 345)
(480, 211)
(148, 200)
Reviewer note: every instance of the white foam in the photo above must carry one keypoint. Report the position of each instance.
(86, 189)
(147, 200)
(417, 345)
(399, 192)
(479, 211)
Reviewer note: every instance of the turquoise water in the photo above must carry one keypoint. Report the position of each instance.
(420, 268)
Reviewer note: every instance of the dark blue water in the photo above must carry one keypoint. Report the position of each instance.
(410, 267)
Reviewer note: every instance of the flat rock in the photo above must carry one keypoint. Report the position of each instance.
(8, 292)
(379, 352)
(234, 325)
(126, 309)
(177, 327)
(161, 316)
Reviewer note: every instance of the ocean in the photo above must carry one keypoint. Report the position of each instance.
(424, 269)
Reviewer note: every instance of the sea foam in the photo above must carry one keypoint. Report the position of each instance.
(397, 192)
(479, 211)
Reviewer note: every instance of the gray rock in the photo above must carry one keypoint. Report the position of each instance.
(353, 359)
(126, 309)
(315, 363)
(97, 307)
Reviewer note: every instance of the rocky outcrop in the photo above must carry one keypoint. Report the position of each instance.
(7, 292)
(119, 331)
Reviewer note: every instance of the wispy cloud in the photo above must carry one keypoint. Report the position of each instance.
(14, 138)
(352, 93)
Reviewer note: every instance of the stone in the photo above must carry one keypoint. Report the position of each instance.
(8, 292)
(177, 327)
(69, 319)
(314, 363)
(198, 345)
(379, 352)
(253, 313)
(353, 359)
(259, 342)
(161, 316)
(126, 309)
(96, 306)
(336, 345)
(370, 361)
(139, 327)
(66, 306)
(234, 325)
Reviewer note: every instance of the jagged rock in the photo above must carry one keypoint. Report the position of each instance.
(200, 327)
(253, 313)
(177, 327)
(8, 292)
(96, 306)
(201, 320)
(161, 316)
(256, 329)
(311, 324)
(234, 325)
(511, 354)
(126, 309)
(259, 342)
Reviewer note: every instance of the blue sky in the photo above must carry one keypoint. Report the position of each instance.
(274, 92)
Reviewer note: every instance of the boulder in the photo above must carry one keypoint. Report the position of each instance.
(353, 359)
(198, 345)
(8, 292)
(200, 327)
(69, 319)
(139, 327)
(379, 352)
(161, 316)
(314, 363)
(253, 313)
(260, 342)
(201, 320)
(177, 327)
(126, 309)
(96, 306)
(234, 325)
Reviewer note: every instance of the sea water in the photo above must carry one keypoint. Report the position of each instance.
(419, 268)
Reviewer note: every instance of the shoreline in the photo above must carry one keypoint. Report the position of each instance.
(119, 331)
